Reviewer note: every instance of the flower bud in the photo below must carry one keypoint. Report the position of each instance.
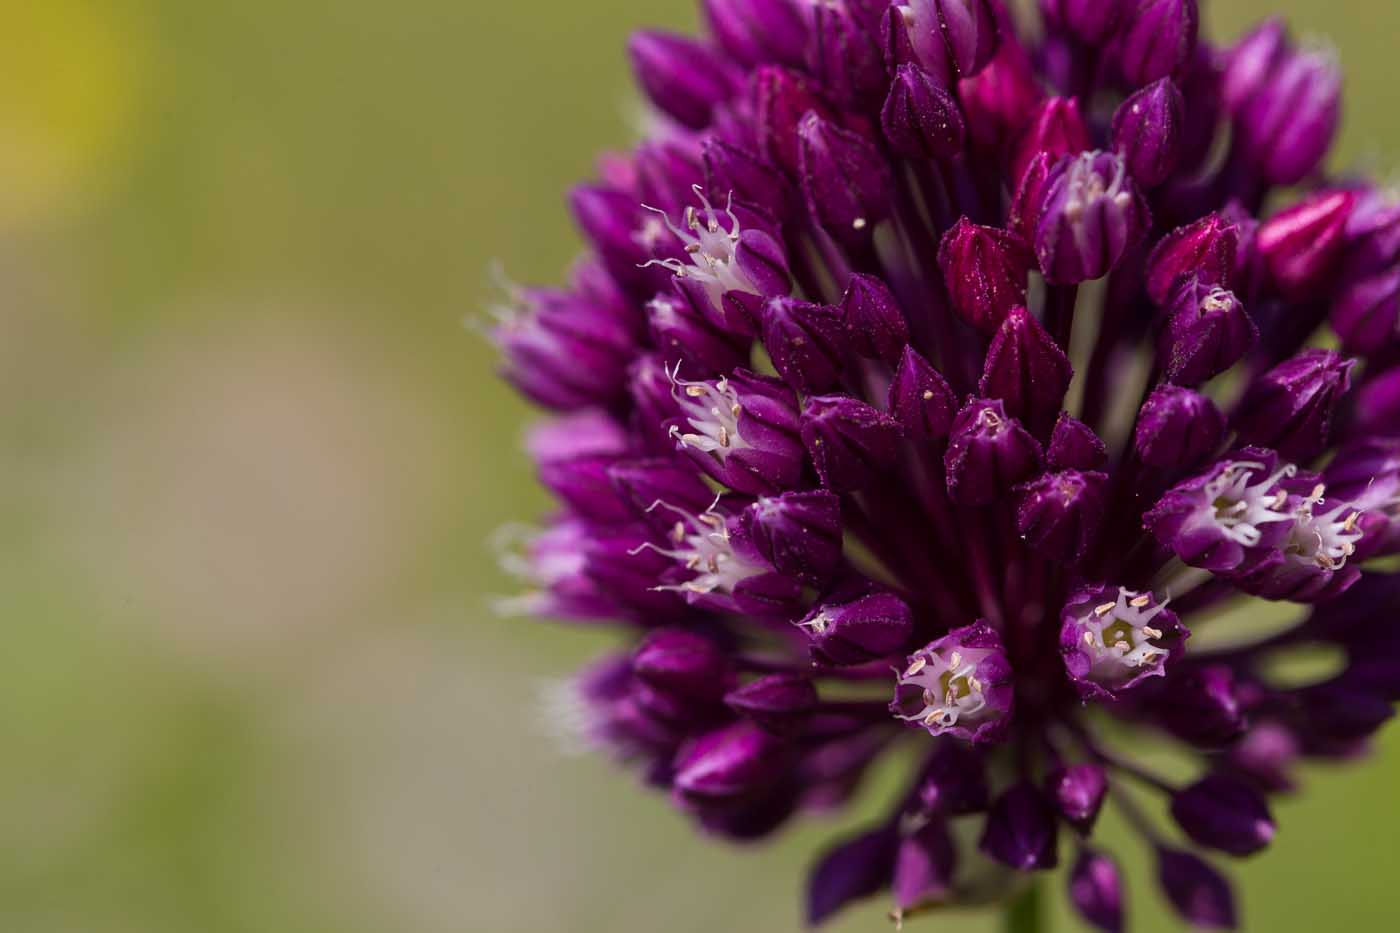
(851, 870)
(920, 118)
(751, 178)
(949, 38)
(1026, 202)
(680, 331)
(1027, 370)
(1177, 428)
(1096, 891)
(988, 453)
(1147, 132)
(845, 54)
(924, 866)
(1058, 514)
(1290, 407)
(757, 31)
(1365, 313)
(647, 484)
(866, 628)
(782, 98)
(1156, 39)
(682, 77)
(920, 398)
(1222, 813)
(955, 781)
(958, 685)
(845, 179)
(799, 533)
(1057, 130)
(1113, 638)
(985, 269)
(1301, 245)
(1250, 65)
(1020, 831)
(742, 430)
(777, 702)
(1075, 446)
(729, 762)
(1373, 234)
(1090, 215)
(1091, 22)
(1202, 707)
(1289, 123)
(1377, 408)
(998, 101)
(875, 324)
(805, 342)
(1203, 251)
(1078, 792)
(1266, 755)
(685, 668)
(851, 443)
(1197, 892)
(1206, 332)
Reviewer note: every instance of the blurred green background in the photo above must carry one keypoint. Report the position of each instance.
(252, 457)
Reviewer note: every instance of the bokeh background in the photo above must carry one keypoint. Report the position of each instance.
(251, 458)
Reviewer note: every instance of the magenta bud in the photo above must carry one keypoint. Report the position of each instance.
(845, 179)
(1365, 313)
(955, 782)
(1025, 203)
(1027, 370)
(1289, 123)
(1373, 234)
(985, 269)
(1148, 132)
(1266, 755)
(924, 867)
(920, 398)
(1377, 409)
(1197, 892)
(1290, 407)
(1075, 446)
(1207, 331)
(751, 178)
(799, 533)
(782, 97)
(805, 342)
(757, 31)
(920, 118)
(1177, 428)
(851, 443)
(1203, 251)
(778, 702)
(853, 869)
(682, 77)
(875, 324)
(950, 38)
(1156, 39)
(1203, 707)
(1078, 792)
(1301, 245)
(644, 484)
(730, 762)
(1222, 813)
(682, 663)
(845, 53)
(988, 453)
(1057, 130)
(1250, 64)
(1058, 514)
(1096, 891)
(860, 630)
(1091, 22)
(1090, 214)
(998, 101)
(680, 331)
(1020, 830)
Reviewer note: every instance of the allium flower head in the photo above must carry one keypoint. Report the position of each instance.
(927, 386)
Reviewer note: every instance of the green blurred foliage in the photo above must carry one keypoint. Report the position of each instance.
(253, 457)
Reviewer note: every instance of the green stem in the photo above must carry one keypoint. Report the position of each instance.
(1024, 914)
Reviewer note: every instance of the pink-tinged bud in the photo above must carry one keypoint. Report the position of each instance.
(1021, 830)
(1027, 370)
(920, 118)
(1059, 514)
(1203, 251)
(988, 453)
(758, 31)
(985, 270)
(1156, 39)
(875, 324)
(949, 38)
(1078, 792)
(924, 867)
(805, 342)
(859, 630)
(1197, 892)
(1251, 63)
(1112, 639)
(799, 533)
(998, 102)
(1075, 446)
(845, 53)
(1290, 407)
(779, 703)
(958, 685)
(729, 762)
(1090, 214)
(683, 664)
(851, 443)
(845, 179)
(1302, 245)
(853, 869)
(1288, 125)
(1177, 428)
(921, 399)
(1222, 813)
(1058, 130)
(781, 99)
(1366, 312)
(682, 77)
(1091, 22)
(1096, 891)
(1147, 132)
(1026, 202)
(1207, 331)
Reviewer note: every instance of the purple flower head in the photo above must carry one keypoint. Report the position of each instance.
(820, 457)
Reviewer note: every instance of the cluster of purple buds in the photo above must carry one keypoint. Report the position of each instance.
(929, 380)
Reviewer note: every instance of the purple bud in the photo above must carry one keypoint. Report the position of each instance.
(1203, 707)
(1290, 407)
(805, 342)
(682, 663)
(1057, 130)
(853, 869)
(860, 630)
(1156, 39)
(988, 453)
(1075, 446)
(845, 53)
(875, 324)
(1113, 638)
(1203, 251)
(750, 177)
(1078, 792)
(782, 98)
(729, 762)
(1058, 514)
(1207, 331)
(586, 433)
(1091, 22)
(1365, 313)
(680, 76)
(1250, 65)
(778, 702)
(1197, 892)
(1302, 244)
(1090, 215)
(681, 332)
(608, 218)
(920, 118)
(649, 389)
(1265, 755)
(646, 484)
(1020, 831)
(986, 270)
(1289, 123)
(1373, 234)
(955, 781)
(924, 866)
(950, 38)
(1025, 204)
(1222, 813)
(1026, 369)
(958, 685)
(998, 101)
(666, 171)
(1096, 891)
(920, 398)
(845, 179)
(1177, 428)
(742, 430)
(757, 31)
(851, 443)
(1377, 409)
(799, 533)
(1147, 132)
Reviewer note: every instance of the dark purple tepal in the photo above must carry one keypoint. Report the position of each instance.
(930, 374)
